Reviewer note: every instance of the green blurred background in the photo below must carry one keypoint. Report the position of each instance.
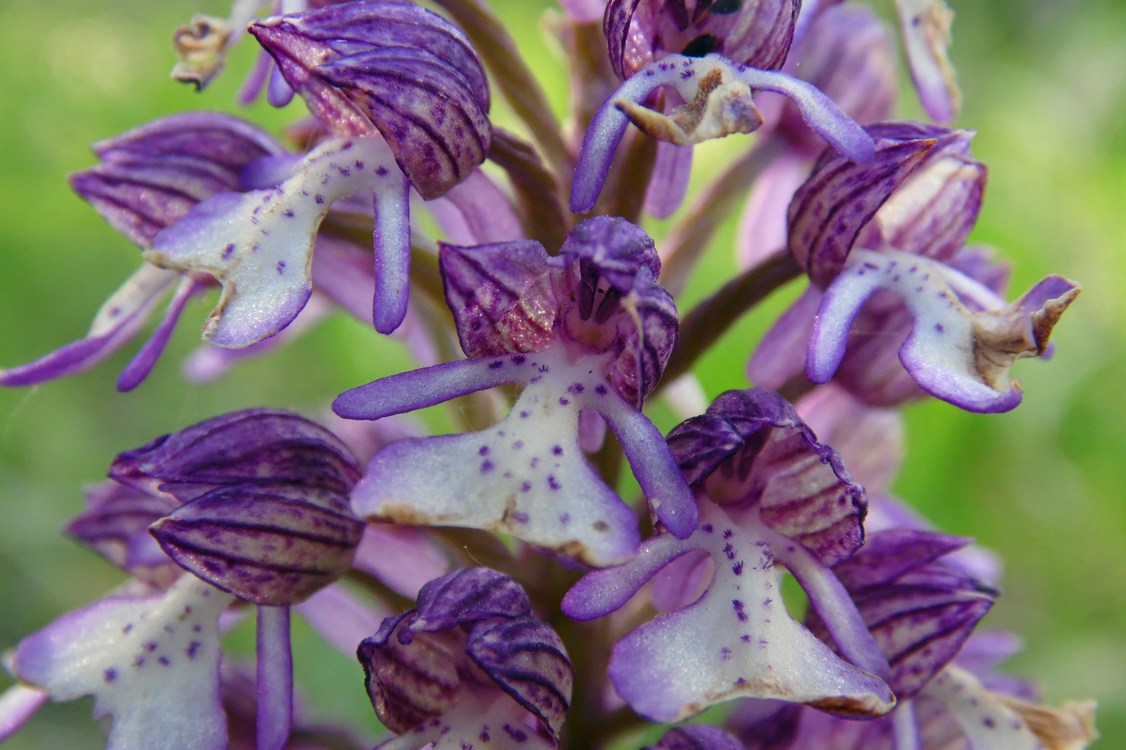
(1045, 87)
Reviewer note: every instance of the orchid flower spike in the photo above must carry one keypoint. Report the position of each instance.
(589, 329)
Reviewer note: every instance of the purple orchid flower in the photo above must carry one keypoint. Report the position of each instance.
(469, 664)
(768, 493)
(755, 34)
(253, 505)
(403, 93)
(149, 179)
(588, 330)
(895, 228)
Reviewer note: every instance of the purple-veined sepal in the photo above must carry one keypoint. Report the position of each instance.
(718, 102)
(751, 449)
(265, 513)
(471, 642)
(919, 611)
(921, 193)
(393, 68)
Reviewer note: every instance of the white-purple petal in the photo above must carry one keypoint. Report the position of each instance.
(151, 664)
(259, 245)
(18, 704)
(736, 641)
(926, 35)
(526, 475)
(954, 352)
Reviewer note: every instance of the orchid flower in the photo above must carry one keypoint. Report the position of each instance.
(590, 329)
(769, 494)
(469, 664)
(895, 228)
(253, 505)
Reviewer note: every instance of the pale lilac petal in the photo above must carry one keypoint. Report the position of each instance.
(152, 664)
(392, 238)
(141, 365)
(682, 581)
(584, 11)
(117, 322)
(275, 678)
(780, 353)
(604, 591)
(417, 389)
(484, 213)
(669, 183)
(259, 245)
(525, 476)
(340, 618)
(762, 225)
(926, 35)
(871, 441)
(18, 704)
(656, 470)
(526, 658)
(402, 558)
(736, 641)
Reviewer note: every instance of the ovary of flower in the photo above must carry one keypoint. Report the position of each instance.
(964, 339)
(259, 245)
(151, 663)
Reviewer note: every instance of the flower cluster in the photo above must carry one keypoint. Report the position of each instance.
(556, 603)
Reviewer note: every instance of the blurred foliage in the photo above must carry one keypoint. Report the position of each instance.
(1045, 87)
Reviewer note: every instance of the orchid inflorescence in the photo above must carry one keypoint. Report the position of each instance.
(593, 619)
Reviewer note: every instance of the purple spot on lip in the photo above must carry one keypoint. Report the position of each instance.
(381, 171)
(164, 661)
(740, 611)
(519, 359)
(564, 401)
(564, 518)
(192, 649)
(150, 646)
(486, 466)
(600, 389)
(553, 483)
(525, 486)
(496, 365)
(939, 327)
(518, 445)
(524, 414)
(228, 251)
(557, 450)
(288, 213)
(519, 517)
(483, 450)
(110, 675)
(281, 267)
(320, 199)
